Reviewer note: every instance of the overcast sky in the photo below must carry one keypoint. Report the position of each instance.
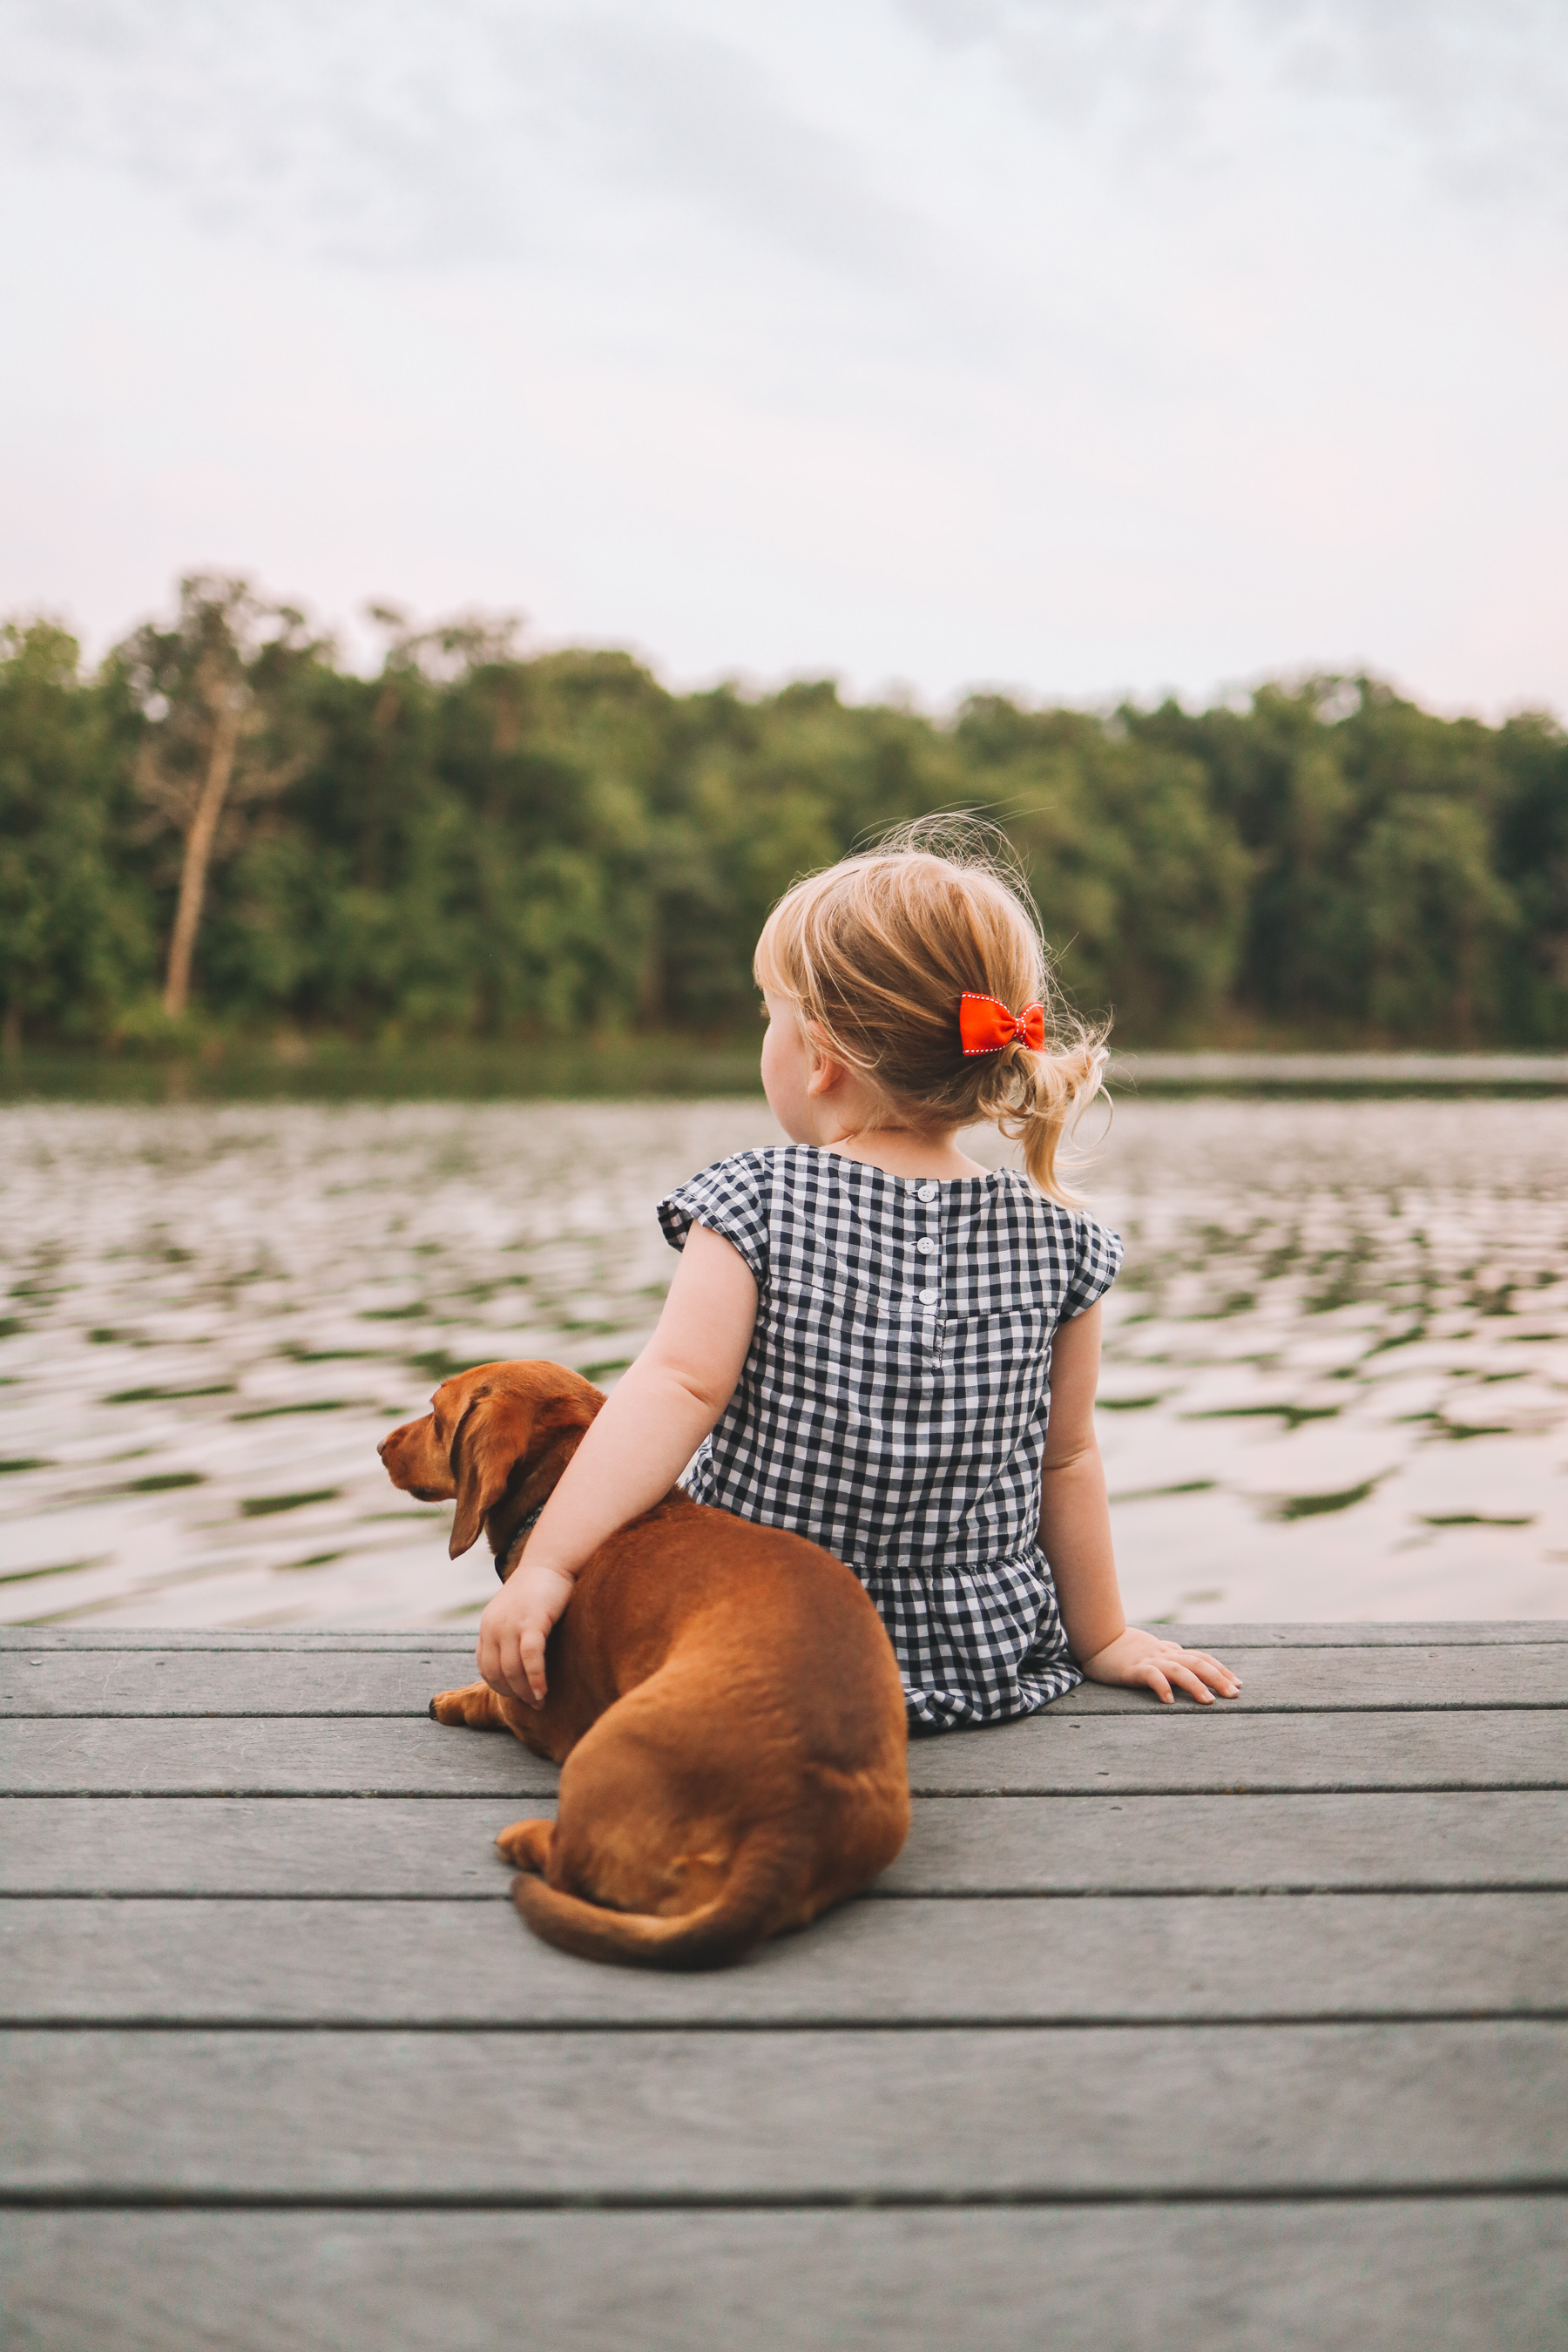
(1077, 345)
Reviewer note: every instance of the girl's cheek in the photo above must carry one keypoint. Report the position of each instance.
(775, 1063)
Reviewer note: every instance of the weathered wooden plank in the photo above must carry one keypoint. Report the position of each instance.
(293, 1638)
(214, 1845)
(270, 1756)
(1499, 1840)
(1323, 1680)
(1040, 2112)
(1390, 1634)
(1237, 1844)
(1163, 1748)
(1045, 1754)
(204, 1683)
(1432, 2274)
(368, 1682)
(1104, 1958)
(1461, 1633)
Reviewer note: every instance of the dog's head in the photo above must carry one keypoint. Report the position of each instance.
(497, 1438)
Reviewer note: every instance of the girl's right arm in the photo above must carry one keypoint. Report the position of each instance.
(1075, 1536)
(649, 1427)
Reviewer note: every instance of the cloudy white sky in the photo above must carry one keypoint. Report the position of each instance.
(1079, 345)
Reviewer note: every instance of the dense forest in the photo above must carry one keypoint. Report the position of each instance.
(226, 831)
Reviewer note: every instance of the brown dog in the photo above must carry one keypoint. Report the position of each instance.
(722, 1698)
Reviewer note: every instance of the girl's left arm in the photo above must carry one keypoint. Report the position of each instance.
(1075, 1536)
(643, 1437)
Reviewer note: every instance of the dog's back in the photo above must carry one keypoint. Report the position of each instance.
(748, 1767)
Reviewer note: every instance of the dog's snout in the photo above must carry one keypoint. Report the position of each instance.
(381, 1449)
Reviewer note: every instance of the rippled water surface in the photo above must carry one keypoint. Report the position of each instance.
(1336, 1377)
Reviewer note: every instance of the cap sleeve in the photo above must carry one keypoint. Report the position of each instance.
(1098, 1264)
(730, 1199)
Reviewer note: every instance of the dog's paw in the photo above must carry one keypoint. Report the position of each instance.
(473, 1706)
(526, 1845)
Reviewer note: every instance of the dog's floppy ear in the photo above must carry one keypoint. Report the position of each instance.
(490, 1439)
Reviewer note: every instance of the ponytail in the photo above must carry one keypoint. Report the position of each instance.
(877, 954)
(1049, 1092)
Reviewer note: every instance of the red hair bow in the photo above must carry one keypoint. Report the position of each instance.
(986, 1026)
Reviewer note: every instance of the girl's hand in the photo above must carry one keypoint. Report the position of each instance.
(1136, 1658)
(515, 1628)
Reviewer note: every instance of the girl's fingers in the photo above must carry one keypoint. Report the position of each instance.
(1210, 1668)
(1189, 1682)
(528, 1674)
(510, 1658)
(1199, 1662)
(1149, 1672)
(509, 1665)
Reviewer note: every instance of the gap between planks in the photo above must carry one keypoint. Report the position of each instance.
(1262, 1634)
(1547, 2188)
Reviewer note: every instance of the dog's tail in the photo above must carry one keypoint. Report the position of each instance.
(743, 1911)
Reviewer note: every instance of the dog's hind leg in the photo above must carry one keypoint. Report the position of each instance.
(528, 1845)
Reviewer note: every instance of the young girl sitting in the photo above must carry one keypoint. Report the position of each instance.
(871, 1339)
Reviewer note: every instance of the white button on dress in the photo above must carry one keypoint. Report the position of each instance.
(930, 1297)
(926, 1192)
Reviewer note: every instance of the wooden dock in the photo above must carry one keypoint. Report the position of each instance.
(1235, 2027)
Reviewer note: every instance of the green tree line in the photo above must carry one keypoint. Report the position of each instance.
(226, 824)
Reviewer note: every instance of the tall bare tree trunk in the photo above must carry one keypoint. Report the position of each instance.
(198, 852)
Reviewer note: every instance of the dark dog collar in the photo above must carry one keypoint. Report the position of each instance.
(516, 1541)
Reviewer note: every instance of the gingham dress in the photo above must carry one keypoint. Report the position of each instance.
(894, 1402)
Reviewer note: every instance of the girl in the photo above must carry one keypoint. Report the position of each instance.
(872, 1340)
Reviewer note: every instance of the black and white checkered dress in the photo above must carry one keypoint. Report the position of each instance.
(894, 1400)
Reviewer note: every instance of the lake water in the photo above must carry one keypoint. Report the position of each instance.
(1336, 1380)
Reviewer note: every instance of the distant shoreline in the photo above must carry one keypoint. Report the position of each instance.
(1349, 1073)
(673, 1068)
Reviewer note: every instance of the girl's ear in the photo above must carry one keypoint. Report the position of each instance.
(826, 1070)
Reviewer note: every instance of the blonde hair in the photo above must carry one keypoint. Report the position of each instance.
(875, 953)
